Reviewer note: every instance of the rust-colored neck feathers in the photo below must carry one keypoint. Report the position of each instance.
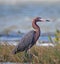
(37, 29)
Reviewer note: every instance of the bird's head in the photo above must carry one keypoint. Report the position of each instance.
(41, 20)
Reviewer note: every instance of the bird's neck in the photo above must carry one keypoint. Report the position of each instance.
(35, 26)
(37, 30)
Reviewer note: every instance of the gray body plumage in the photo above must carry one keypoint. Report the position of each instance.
(25, 43)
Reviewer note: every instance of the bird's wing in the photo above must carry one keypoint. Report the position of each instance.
(26, 41)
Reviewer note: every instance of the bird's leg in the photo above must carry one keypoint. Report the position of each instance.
(29, 53)
(29, 50)
(26, 53)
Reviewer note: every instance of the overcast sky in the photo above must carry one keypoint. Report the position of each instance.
(23, 1)
(22, 15)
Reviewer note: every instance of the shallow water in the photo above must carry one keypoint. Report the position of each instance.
(45, 38)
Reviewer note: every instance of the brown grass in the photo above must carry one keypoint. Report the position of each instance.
(42, 55)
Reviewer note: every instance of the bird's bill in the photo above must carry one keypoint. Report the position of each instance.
(43, 20)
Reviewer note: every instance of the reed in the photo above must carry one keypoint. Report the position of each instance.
(43, 55)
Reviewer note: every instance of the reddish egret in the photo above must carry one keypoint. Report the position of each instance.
(30, 38)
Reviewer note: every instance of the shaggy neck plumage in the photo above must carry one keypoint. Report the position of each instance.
(37, 29)
(35, 26)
